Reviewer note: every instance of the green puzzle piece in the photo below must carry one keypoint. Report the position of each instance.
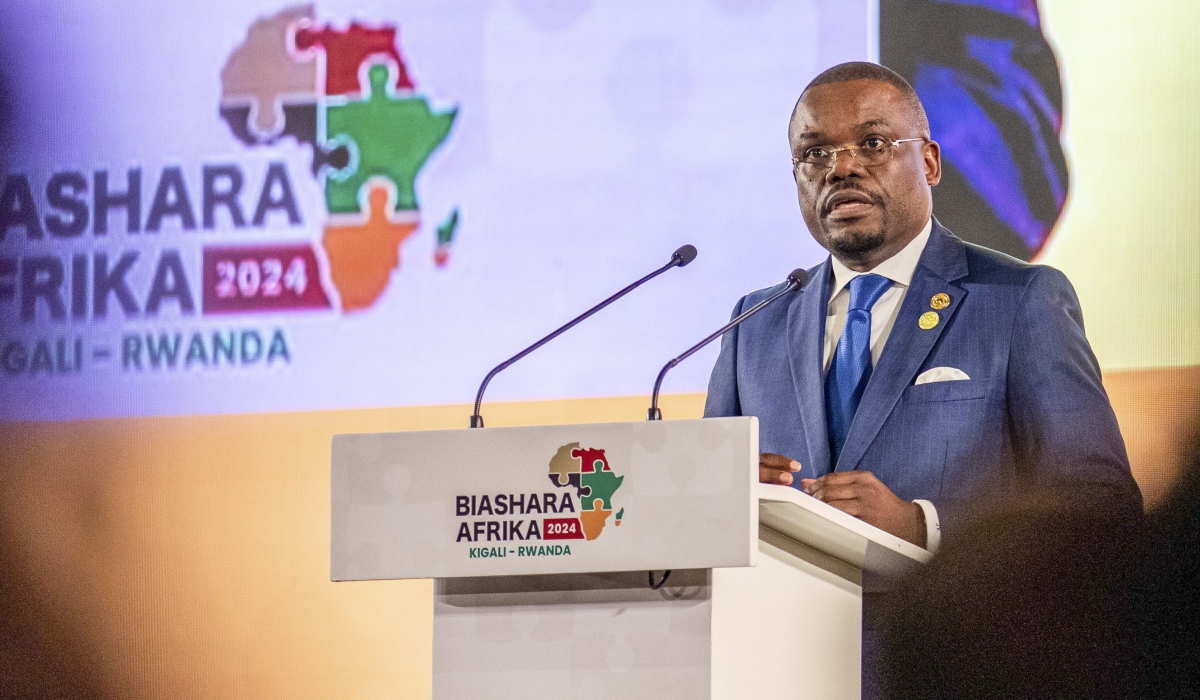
(603, 485)
(394, 138)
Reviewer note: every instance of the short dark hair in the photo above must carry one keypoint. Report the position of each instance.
(863, 70)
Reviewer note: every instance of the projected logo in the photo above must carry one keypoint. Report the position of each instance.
(581, 475)
(346, 93)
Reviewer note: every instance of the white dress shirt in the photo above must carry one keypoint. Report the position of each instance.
(899, 269)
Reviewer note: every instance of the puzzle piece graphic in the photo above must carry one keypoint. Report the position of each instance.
(267, 95)
(563, 464)
(393, 138)
(598, 487)
(593, 521)
(300, 122)
(346, 51)
(362, 256)
(592, 460)
(261, 76)
(572, 481)
(445, 236)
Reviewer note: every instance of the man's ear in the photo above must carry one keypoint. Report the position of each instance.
(933, 162)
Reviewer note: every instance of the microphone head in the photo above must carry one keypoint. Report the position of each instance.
(684, 255)
(798, 278)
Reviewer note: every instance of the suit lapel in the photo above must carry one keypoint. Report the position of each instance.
(943, 261)
(806, 337)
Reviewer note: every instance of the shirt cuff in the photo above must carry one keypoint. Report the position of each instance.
(933, 528)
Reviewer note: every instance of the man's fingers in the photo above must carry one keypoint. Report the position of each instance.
(837, 492)
(774, 476)
(776, 469)
(857, 479)
(778, 462)
(850, 477)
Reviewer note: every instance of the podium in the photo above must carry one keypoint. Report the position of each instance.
(548, 546)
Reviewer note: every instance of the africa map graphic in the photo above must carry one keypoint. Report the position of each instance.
(348, 94)
(588, 472)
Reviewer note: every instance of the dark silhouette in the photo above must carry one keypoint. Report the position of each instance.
(1056, 596)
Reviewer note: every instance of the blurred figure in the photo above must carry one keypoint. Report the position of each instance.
(1169, 596)
(1056, 596)
(38, 659)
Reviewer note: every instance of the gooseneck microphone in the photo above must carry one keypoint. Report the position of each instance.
(680, 258)
(795, 281)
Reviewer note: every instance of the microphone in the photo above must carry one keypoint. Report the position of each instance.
(795, 281)
(680, 258)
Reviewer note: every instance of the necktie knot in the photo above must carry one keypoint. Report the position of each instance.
(865, 290)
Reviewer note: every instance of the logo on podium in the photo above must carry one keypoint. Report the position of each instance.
(587, 472)
(578, 509)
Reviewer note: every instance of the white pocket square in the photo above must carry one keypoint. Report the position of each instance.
(940, 374)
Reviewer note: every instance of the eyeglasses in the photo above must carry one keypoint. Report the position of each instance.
(874, 150)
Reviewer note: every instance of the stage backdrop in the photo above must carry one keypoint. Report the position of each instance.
(243, 207)
(230, 230)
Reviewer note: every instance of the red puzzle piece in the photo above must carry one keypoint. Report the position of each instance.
(345, 51)
(590, 457)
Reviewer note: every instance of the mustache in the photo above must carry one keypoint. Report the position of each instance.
(875, 198)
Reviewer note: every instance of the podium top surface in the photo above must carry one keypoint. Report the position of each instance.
(842, 536)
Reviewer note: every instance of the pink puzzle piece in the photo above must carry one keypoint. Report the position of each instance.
(261, 72)
(563, 464)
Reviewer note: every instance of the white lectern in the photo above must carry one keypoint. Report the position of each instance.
(545, 542)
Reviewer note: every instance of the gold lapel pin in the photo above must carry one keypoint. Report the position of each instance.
(928, 320)
(939, 301)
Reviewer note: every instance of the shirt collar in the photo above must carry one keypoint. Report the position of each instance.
(899, 268)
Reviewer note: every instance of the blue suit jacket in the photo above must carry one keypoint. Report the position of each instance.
(1033, 412)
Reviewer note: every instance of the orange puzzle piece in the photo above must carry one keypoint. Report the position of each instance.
(593, 520)
(362, 257)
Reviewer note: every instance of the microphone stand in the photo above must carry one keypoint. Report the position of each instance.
(680, 258)
(796, 280)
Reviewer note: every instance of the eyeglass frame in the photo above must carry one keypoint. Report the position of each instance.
(833, 152)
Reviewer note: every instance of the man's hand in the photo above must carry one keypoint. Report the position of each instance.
(865, 497)
(776, 469)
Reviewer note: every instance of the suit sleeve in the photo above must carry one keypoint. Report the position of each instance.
(1062, 425)
(722, 398)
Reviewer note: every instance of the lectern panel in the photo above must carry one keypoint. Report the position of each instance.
(585, 635)
(545, 500)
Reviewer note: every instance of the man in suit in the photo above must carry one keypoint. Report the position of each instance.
(915, 374)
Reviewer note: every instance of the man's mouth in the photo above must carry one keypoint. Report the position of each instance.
(848, 204)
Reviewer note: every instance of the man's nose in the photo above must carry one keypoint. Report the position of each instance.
(845, 163)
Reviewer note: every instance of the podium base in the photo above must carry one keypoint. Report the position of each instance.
(789, 627)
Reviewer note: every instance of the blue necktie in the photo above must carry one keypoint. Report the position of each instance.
(851, 367)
